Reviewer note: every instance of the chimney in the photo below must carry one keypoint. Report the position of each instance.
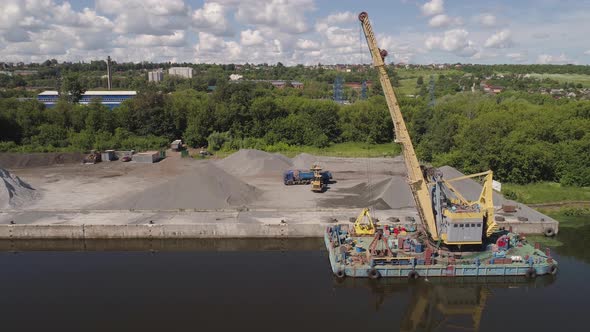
(109, 74)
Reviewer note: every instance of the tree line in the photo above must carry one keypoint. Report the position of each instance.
(522, 137)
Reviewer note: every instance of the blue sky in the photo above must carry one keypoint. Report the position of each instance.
(295, 31)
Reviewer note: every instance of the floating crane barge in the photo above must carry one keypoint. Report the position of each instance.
(456, 237)
(396, 252)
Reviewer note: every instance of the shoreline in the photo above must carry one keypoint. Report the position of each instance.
(202, 224)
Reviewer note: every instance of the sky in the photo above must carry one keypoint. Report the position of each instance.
(295, 31)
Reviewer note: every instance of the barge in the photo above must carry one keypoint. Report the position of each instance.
(404, 251)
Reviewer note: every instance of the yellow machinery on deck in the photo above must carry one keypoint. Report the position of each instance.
(363, 224)
(451, 222)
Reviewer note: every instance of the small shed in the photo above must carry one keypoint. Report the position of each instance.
(108, 155)
(176, 145)
(146, 157)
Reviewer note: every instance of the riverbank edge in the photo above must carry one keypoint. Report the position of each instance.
(201, 230)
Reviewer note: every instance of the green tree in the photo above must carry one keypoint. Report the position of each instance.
(73, 88)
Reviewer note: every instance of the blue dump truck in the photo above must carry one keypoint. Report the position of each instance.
(304, 177)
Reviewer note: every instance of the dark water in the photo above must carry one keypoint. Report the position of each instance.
(267, 286)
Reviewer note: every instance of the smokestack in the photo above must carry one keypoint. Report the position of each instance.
(109, 74)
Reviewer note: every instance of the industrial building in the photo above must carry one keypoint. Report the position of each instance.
(156, 75)
(184, 72)
(111, 99)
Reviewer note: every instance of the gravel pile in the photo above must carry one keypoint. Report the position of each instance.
(206, 187)
(248, 162)
(14, 192)
(391, 193)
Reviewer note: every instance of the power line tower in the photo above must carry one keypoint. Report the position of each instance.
(339, 89)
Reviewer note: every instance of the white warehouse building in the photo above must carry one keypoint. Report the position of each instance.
(185, 72)
(156, 76)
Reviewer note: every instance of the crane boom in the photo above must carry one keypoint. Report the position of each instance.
(416, 179)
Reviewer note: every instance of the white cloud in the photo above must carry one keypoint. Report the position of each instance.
(336, 36)
(339, 18)
(251, 38)
(455, 41)
(175, 40)
(306, 44)
(587, 52)
(553, 59)
(517, 56)
(212, 18)
(487, 20)
(443, 20)
(152, 7)
(211, 48)
(152, 17)
(283, 15)
(397, 50)
(501, 39)
(433, 7)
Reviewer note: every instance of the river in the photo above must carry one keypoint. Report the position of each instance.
(274, 285)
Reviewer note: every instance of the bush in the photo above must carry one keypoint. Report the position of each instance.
(9, 146)
(510, 194)
(217, 139)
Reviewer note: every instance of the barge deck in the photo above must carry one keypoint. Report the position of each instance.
(402, 251)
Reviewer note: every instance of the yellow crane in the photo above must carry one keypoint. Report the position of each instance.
(452, 223)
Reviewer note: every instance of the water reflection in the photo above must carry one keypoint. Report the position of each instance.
(441, 304)
(575, 240)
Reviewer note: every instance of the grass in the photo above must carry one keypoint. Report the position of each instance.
(562, 78)
(349, 149)
(407, 86)
(547, 192)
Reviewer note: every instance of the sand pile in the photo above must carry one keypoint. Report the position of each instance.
(14, 192)
(248, 162)
(304, 161)
(205, 187)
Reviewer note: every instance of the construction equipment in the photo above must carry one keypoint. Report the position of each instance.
(363, 224)
(451, 223)
(92, 158)
(317, 184)
(304, 177)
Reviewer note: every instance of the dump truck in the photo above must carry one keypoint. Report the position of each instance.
(303, 177)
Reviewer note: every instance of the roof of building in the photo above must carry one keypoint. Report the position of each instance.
(94, 93)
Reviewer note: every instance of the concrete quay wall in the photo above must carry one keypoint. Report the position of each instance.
(225, 230)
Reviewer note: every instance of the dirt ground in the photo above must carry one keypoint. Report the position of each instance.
(248, 180)
(114, 185)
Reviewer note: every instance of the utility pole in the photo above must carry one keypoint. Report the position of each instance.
(109, 74)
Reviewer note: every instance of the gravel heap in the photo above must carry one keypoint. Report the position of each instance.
(248, 162)
(14, 192)
(207, 187)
